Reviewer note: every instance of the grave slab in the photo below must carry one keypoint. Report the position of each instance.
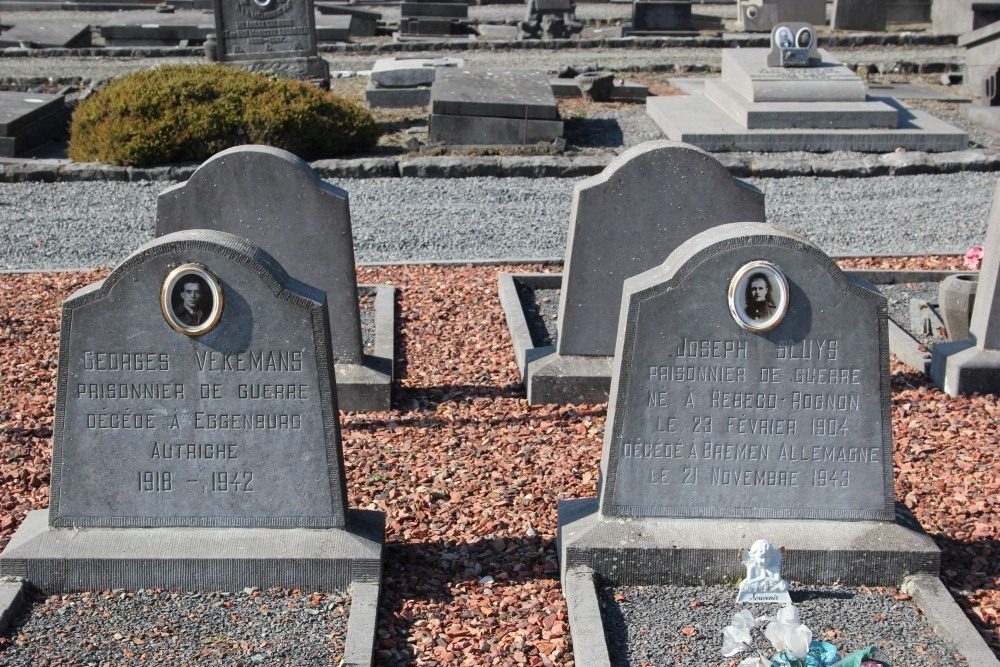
(973, 365)
(486, 131)
(203, 453)
(30, 119)
(148, 28)
(438, 9)
(746, 71)
(397, 98)
(686, 478)
(657, 195)
(52, 33)
(409, 72)
(274, 199)
(520, 94)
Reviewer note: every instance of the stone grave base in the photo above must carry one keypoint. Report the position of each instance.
(549, 377)
(962, 367)
(491, 131)
(397, 98)
(688, 551)
(696, 120)
(205, 559)
(368, 385)
(311, 68)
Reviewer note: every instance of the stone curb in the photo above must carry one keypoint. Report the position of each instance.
(359, 646)
(12, 601)
(541, 166)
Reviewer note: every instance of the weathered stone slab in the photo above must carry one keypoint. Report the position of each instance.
(30, 119)
(957, 17)
(628, 219)
(657, 15)
(51, 33)
(858, 15)
(746, 71)
(973, 365)
(486, 131)
(738, 391)
(438, 9)
(397, 98)
(423, 25)
(333, 28)
(141, 28)
(409, 72)
(517, 94)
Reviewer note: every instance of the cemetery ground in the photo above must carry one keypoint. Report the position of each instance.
(469, 476)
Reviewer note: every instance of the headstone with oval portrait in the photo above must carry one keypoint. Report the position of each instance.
(196, 391)
(272, 36)
(749, 397)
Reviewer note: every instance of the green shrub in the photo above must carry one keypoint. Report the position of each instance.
(182, 112)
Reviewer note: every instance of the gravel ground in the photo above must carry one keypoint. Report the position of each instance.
(252, 627)
(480, 218)
(469, 475)
(656, 626)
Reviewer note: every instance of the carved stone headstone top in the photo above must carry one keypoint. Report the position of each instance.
(763, 582)
(195, 388)
(793, 45)
(274, 199)
(627, 219)
(750, 380)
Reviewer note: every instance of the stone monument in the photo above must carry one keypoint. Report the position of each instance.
(196, 443)
(433, 19)
(490, 107)
(764, 104)
(973, 365)
(272, 198)
(750, 397)
(270, 36)
(549, 19)
(624, 221)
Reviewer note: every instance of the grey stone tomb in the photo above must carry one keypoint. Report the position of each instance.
(196, 443)
(485, 107)
(750, 398)
(274, 199)
(957, 17)
(435, 19)
(624, 221)
(270, 36)
(30, 119)
(973, 365)
(858, 15)
(761, 103)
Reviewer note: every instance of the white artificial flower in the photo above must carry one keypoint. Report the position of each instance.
(756, 661)
(737, 638)
(786, 634)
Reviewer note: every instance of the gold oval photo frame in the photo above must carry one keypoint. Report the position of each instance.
(758, 296)
(191, 299)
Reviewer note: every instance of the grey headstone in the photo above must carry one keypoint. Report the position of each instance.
(907, 11)
(270, 35)
(709, 418)
(437, 9)
(859, 15)
(763, 15)
(234, 427)
(661, 15)
(973, 365)
(627, 220)
(274, 199)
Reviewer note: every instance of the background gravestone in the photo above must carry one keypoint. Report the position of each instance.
(629, 219)
(858, 15)
(183, 445)
(716, 429)
(274, 199)
(270, 36)
(973, 365)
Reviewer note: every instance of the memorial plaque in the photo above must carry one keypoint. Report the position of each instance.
(750, 380)
(196, 388)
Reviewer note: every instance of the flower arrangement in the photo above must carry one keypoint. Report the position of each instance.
(791, 640)
(974, 258)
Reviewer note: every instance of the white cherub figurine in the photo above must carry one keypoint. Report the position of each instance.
(763, 582)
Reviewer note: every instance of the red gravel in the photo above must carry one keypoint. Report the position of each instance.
(469, 474)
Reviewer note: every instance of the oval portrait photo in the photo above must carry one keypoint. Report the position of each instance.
(758, 296)
(191, 299)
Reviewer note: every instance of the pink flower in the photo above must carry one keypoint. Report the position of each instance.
(974, 258)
